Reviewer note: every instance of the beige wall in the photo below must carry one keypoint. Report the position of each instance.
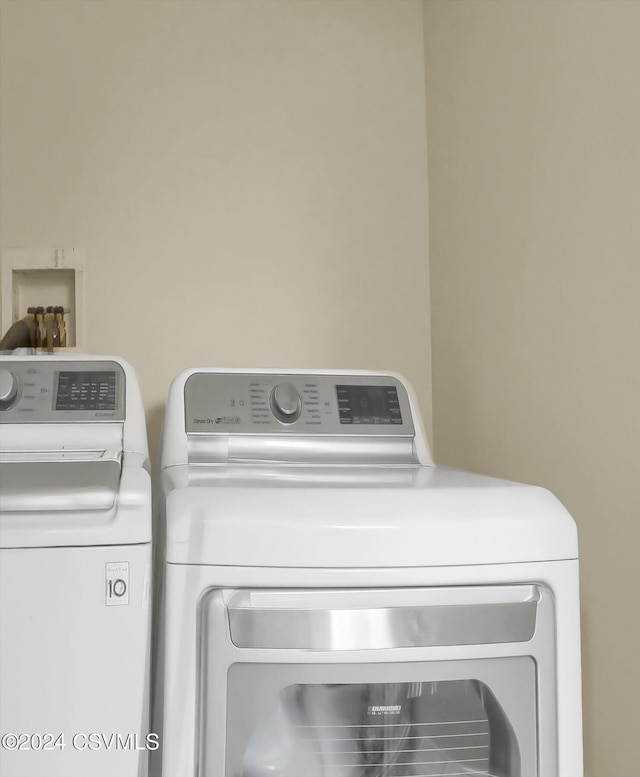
(247, 179)
(534, 185)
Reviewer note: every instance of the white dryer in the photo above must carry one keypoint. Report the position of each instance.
(75, 556)
(336, 606)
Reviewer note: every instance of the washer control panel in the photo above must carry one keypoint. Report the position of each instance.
(250, 403)
(37, 391)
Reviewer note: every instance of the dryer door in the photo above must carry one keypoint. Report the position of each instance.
(410, 683)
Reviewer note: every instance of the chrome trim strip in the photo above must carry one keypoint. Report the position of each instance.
(327, 450)
(382, 628)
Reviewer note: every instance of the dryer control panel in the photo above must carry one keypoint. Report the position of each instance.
(298, 404)
(37, 391)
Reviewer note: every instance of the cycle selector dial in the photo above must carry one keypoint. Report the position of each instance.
(286, 404)
(8, 388)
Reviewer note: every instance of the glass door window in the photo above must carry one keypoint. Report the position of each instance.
(423, 728)
(379, 730)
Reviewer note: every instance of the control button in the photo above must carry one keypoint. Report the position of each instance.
(8, 388)
(286, 403)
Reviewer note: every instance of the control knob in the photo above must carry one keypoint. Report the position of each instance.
(286, 404)
(8, 388)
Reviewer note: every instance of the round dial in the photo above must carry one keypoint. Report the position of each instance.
(286, 403)
(8, 388)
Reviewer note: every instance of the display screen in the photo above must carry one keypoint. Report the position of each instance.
(368, 405)
(94, 390)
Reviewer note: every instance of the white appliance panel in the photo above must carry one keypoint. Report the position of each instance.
(73, 662)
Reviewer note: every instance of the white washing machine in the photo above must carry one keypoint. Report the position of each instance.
(336, 606)
(75, 566)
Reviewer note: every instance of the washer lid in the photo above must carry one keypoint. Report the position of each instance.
(440, 517)
(75, 511)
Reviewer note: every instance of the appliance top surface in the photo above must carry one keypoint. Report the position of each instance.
(324, 517)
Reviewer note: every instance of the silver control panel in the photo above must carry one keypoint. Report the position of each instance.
(299, 404)
(38, 391)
